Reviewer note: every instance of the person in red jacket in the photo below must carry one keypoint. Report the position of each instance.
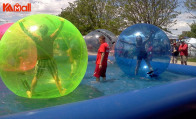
(101, 61)
(183, 49)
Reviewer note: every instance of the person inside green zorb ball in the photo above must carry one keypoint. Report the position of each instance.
(42, 56)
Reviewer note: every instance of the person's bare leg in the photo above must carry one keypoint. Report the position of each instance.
(33, 84)
(185, 60)
(59, 86)
(39, 71)
(54, 72)
(97, 79)
(73, 65)
(181, 60)
(149, 65)
(176, 59)
(104, 78)
(173, 59)
(137, 66)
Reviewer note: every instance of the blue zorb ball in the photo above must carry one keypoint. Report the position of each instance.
(143, 50)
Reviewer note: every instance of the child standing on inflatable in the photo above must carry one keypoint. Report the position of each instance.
(101, 61)
(142, 54)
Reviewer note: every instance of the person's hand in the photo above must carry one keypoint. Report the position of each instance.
(47, 18)
(61, 19)
(151, 32)
(147, 37)
(110, 61)
(100, 66)
(21, 20)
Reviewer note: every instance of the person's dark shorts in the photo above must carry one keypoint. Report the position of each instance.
(100, 72)
(45, 64)
(142, 55)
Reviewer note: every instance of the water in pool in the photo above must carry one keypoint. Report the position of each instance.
(117, 82)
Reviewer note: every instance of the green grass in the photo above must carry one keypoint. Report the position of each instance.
(192, 59)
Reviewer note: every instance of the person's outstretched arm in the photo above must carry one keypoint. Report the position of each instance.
(148, 38)
(127, 42)
(55, 34)
(31, 35)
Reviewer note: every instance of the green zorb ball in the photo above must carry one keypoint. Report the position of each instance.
(42, 56)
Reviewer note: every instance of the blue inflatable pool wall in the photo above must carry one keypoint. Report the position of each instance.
(174, 100)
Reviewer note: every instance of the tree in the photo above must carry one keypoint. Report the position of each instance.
(191, 6)
(157, 12)
(190, 34)
(88, 15)
(116, 15)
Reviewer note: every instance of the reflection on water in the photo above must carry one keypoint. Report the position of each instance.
(117, 82)
(11, 103)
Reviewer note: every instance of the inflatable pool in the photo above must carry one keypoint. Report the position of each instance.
(171, 95)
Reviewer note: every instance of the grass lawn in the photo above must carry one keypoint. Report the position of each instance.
(192, 59)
